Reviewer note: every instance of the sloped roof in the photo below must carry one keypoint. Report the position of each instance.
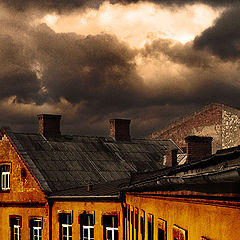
(73, 161)
(219, 170)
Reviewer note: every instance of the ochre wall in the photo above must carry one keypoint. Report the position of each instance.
(26, 213)
(211, 221)
(25, 197)
(76, 208)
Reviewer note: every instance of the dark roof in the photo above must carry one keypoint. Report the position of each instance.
(73, 161)
(220, 169)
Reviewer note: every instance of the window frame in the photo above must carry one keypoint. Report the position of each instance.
(15, 223)
(179, 233)
(35, 223)
(162, 224)
(114, 227)
(67, 225)
(83, 226)
(5, 178)
(150, 221)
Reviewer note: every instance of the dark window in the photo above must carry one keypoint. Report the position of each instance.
(35, 229)
(142, 225)
(110, 227)
(162, 229)
(65, 226)
(124, 223)
(132, 222)
(86, 226)
(150, 227)
(15, 225)
(136, 223)
(161, 234)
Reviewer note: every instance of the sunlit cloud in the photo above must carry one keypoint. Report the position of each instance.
(137, 23)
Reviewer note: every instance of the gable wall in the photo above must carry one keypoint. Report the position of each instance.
(206, 122)
(24, 199)
(23, 189)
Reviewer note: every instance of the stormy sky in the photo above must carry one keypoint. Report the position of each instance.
(90, 60)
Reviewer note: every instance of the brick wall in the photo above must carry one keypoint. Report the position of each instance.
(206, 122)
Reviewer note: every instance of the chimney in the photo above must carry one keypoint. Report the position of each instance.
(171, 158)
(49, 125)
(198, 148)
(120, 129)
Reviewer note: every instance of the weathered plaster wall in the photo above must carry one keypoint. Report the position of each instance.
(25, 197)
(26, 213)
(76, 208)
(230, 127)
(211, 221)
(23, 188)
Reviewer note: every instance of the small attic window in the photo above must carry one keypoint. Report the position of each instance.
(5, 177)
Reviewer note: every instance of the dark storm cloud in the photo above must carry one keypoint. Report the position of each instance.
(62, 5)
(90, 79)
(178, 52)
(223, 38)
(98, 69)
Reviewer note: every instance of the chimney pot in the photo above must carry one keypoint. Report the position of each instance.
(120, 129)
(198, 148)
(49, 125)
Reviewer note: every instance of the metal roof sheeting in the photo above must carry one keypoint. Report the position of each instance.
(74, 161)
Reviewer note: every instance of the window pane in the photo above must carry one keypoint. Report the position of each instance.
(92, 233)
(109, 235)
(64, 231)
(115, 234)
(85, 232)
(160, 234)
(70, 230)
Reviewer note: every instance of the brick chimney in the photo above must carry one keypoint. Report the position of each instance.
(198, 148)
(171, 158)
(49, 125)
(120, 129)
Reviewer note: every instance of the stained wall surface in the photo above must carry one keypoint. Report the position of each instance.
(199, 219)
(76, 208)
(25, 197)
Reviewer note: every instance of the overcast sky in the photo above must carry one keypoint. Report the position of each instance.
(149, 61)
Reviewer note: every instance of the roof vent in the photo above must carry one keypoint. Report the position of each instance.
(49, 125)
(120, 129)
(198, 148)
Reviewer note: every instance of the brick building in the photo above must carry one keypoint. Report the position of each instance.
(215, 120)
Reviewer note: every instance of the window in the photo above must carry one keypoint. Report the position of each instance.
(125, 222)
(132, 222)
(162, 229)
(128, 223)
(35, 225)
(86, 226)
(179, 233)
(110, 226)
(65, 226)
(15, 225)
(142, 225)
(5, 177)
(136, 223)
(150, 227)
